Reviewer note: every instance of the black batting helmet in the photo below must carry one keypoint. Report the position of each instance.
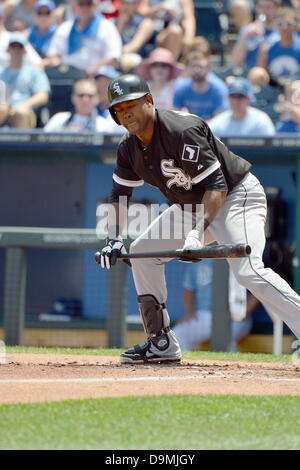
(125, 88)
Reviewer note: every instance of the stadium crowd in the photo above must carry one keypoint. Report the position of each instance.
(45, 44)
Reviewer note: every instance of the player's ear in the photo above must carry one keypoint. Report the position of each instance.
(149, 98)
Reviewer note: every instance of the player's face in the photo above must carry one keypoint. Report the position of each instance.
(134, 115)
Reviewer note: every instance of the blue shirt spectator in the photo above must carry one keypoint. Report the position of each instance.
(199, 94)
(289, 120)
(24, 82)
(241, 119)
(253, 35)
(282, 59)
(28, 86)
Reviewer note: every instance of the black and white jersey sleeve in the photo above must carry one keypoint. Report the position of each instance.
(124, 177)
(124, 174)
(199, 160)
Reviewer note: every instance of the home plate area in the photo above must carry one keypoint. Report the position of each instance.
(28, 378)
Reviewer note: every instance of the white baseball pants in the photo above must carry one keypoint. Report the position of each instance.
(241, 219)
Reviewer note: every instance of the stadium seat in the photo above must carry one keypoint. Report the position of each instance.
(207, 14)
(266, 95)
(227, 71)
(61, 79)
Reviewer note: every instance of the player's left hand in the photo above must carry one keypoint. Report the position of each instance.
(192, 242)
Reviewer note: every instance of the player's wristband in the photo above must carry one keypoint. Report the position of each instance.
(200, 228)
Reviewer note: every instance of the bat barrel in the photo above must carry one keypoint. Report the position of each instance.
(213, 251)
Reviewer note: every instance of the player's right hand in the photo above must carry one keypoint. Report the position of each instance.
(109, 254)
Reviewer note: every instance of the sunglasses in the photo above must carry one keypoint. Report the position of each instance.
(85, 95)
(287, 24)
(160, 64)
(43, 12)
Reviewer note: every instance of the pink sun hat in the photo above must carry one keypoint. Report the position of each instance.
(159, 55)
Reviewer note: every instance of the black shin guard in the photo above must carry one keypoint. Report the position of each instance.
(154, 321)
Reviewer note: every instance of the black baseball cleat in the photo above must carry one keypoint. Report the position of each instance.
(147, 352)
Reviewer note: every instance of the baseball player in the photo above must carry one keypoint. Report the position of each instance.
(177, 153)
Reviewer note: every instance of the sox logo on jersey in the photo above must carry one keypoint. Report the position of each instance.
(176, 175)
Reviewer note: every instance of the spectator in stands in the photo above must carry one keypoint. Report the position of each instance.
(282, 59)
(173, 22)
(65, 11)
(258, 76)
(289, 121)
(28, 86)
(103, 77)
(86, 43)
(201, 44)
(109, 8)
(85, 117)
(253, 35)
(4, 106)
(196, 325)
(19, 15)
(135, 31)
(161, 71)
(31, 56)
(241, 12)
(40, 34)
(241, 119)
(199, 94)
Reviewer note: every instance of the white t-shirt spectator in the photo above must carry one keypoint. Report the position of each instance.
(108, 44)
(255, 123)
(68, 122)
(31, 56)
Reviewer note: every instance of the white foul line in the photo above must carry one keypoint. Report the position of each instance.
(140, 379)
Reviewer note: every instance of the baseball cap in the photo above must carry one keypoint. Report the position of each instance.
(17, 37)
(44, 3)
(107, 71)
(240, 86)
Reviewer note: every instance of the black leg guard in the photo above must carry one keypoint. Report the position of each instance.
(156, 325)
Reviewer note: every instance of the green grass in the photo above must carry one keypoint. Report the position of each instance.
(167, 422)
(163, 423)
(188, 355)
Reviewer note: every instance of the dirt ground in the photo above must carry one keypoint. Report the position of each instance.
(42, 377)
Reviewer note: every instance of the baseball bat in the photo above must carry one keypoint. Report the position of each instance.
(213, 251)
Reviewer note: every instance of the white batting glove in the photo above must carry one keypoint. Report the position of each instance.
(109, 254)
(192, 242)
